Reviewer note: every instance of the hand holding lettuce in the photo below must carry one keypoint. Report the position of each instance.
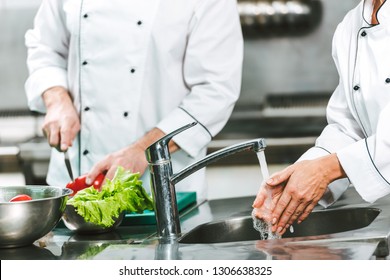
(123, 193)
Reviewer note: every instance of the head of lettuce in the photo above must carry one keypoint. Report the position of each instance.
(123, 193)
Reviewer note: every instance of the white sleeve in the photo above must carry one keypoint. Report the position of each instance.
(47, 44)
(212, 70)
(341, 132)
(367, 163)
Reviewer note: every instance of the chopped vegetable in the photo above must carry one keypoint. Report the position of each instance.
(123, 193)
(20, 197)
(98, 181)
(80, 183)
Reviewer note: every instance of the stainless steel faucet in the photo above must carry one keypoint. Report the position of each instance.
(163, 180)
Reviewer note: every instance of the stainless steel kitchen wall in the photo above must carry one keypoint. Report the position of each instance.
(288, 63)
(272, 64)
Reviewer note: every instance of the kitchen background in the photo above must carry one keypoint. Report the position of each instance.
(288, 77)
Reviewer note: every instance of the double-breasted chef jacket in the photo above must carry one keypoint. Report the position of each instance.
(358, 112)
(134, 65)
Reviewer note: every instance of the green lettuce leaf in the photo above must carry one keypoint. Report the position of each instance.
(123, 193)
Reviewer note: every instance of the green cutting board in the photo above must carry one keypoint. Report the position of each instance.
(184, 199)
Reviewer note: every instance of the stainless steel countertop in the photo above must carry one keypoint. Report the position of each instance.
(139, 242)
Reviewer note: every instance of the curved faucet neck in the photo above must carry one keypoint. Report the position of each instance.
(255, 145)
(163, 180)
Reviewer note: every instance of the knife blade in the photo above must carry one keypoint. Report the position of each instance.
(68, 166)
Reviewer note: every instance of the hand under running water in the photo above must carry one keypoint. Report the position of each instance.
(263, 205)
(296, 190)
(265, 201)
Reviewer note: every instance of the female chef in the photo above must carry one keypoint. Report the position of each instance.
(114, 76)
(355, 145)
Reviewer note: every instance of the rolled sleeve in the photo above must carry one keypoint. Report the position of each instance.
(191, 140)
(361, 170)
(41, 80)
(47, 53)
(212, 71)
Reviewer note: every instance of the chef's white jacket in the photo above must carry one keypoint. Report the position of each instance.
(134, 65)
(358, 112)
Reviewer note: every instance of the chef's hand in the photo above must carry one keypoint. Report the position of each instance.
(266, 199)
(61, 123)
(305, 183)
(130, 158)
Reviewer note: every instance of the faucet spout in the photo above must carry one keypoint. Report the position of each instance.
(256, 145)
(163, 180)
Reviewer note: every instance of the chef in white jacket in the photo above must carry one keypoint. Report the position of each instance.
(354, 148)
(114, 76)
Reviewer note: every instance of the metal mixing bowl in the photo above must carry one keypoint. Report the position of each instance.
(75, 222)
(23, 222)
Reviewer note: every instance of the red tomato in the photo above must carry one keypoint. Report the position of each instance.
(20, 197)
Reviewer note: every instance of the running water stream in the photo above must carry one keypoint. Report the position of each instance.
(263, 165)
(261, 226)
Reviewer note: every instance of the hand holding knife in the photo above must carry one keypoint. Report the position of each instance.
(66, 154)
(79, 183)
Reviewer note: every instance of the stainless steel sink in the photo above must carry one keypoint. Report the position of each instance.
(318, 223)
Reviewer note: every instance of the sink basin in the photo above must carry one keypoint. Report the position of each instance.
(318, 223)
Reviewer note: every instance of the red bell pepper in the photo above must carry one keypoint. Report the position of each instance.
(99, 181)
(80, 183)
